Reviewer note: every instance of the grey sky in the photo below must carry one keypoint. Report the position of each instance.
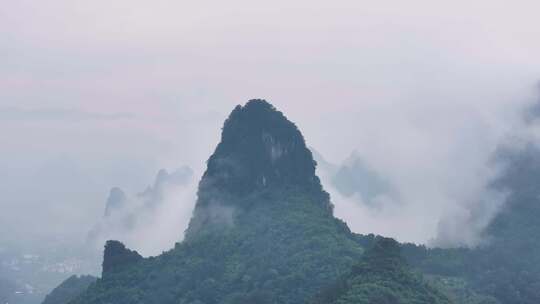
(424, 90)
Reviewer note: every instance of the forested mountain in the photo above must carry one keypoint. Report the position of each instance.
(262, 231)
(69, 289)
(507, 266)
(511, 269)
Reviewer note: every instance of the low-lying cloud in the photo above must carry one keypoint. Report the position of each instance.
(151, 221)
(444, 196)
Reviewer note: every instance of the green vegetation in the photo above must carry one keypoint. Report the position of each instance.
(281, 249)
(507, 267)
(459, 291)
(69, 289)
(262, 232)
(381, 277)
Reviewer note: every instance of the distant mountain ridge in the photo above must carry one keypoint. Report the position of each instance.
(125, 213)
(354, 178)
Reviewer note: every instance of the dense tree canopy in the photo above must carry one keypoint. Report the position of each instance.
(381, 277)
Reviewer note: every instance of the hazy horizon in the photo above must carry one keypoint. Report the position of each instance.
(103, 94)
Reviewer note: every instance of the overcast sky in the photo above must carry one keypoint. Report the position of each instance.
(95, 94)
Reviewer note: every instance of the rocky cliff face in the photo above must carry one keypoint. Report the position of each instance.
(116, 256)
(259, 148)
(260, 151)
